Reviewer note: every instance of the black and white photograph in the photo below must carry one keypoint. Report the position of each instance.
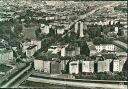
(61, 44)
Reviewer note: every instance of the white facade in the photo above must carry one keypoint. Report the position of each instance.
(74, 67)
(47, 66)
(104, 66)
(109, 47)
(63, 52)
(116, 29)
(39, 65)
(81, 29)
(87, 66)
(118, 65)
(50, 18)
(76, 27)
(60, 31)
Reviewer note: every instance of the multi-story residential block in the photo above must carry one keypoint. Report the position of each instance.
(47, 66)
(74, 67)
(76, 27)
(55, 67)
(88, 66)
(81, 29)
(6, 56)
(39, 65)
(104, 66)
(118, 64)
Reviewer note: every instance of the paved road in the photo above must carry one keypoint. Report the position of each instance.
(21, 79)
(77, 84)
(13, 80)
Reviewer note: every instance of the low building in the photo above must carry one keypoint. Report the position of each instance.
(72, 51)
(50, 18)
(74, 67)
(60, 31)
(108, 47)
(88, 66)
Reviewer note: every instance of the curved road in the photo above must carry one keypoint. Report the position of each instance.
(77, 84)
